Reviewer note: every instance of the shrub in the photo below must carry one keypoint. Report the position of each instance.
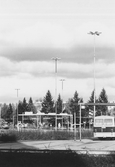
(8, 137)
(43, 135)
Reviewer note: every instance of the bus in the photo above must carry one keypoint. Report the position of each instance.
(104, 127)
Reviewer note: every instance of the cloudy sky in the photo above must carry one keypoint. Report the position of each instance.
(34, 31)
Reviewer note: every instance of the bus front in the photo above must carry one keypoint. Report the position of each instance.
(104, 127)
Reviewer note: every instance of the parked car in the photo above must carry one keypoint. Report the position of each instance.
(5, 126)
(21, 125)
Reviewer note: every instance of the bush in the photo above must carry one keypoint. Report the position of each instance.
(13, 136)
(8, 137)
(42, 135)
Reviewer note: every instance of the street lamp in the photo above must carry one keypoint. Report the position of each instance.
(94, 34)
(56, 60)
(62, 80)
(17, 104)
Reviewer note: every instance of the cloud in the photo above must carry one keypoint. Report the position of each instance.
(35, 78)
(76, 6)
(43, 40)
(42, 69)
(33, 32)
(78, 54)
(40, 34)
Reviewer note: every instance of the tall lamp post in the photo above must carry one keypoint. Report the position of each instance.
(17, 104)
(62, 80)
(56, 60)
(94, 34)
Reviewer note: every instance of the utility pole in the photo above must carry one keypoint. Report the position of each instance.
(80, 122)
(56, 60)
(94, 34)
(62, 80)
(17, 104)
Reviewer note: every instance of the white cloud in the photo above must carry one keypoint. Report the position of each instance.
(57, 6)
(46, 69)
(42, 34)
(41, 30)
(35, 78)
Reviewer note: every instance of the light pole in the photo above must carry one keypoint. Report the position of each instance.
(80, 122)
(94, 34)
(56, 60)
(74, 125)
(62, 80)
(17, 104)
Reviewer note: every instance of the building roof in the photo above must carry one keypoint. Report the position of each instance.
(49, 114)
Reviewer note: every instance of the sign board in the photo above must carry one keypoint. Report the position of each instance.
(28, 113)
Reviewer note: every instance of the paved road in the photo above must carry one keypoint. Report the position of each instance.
(85, 145)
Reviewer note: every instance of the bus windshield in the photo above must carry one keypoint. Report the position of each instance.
(108, 121)
(99, 122)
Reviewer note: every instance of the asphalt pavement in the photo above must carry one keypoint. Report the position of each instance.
(83, 146)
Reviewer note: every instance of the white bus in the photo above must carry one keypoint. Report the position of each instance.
(104, 127)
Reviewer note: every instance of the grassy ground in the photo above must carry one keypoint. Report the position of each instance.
(54, 159)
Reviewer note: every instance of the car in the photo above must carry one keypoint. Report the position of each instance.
(5, 126)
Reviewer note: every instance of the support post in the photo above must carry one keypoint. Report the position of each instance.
(80, 122)
(74, 125)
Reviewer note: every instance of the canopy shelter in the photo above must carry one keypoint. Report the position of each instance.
(49, 115)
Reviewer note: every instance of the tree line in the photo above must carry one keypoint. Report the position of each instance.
(70, 107)
(8, 112)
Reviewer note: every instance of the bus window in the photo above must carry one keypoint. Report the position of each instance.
(98, 121)
(108, 121)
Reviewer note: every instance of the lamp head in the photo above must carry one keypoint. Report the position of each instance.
(94, 33)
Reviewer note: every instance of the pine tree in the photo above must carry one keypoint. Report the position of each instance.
(68, 107)
(91, 108)
(59, 105)
(20, 107)
(4, 110)
(103, 98)
(25, 105)
(9, 113)
(91, 100)
(31, 106)
(48, 103)
(74, 107)
(14, 113)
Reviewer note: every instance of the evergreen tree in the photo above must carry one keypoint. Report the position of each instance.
(9, 113)
(74, 107)
(91, 100)
(25, 105)
(20, 107)
(31, 106)
(103, 98)
(14, 113)
(48, 103)
(59, 105)
(68, 107)
(4, 110)
(20, 110)
(91, 108)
